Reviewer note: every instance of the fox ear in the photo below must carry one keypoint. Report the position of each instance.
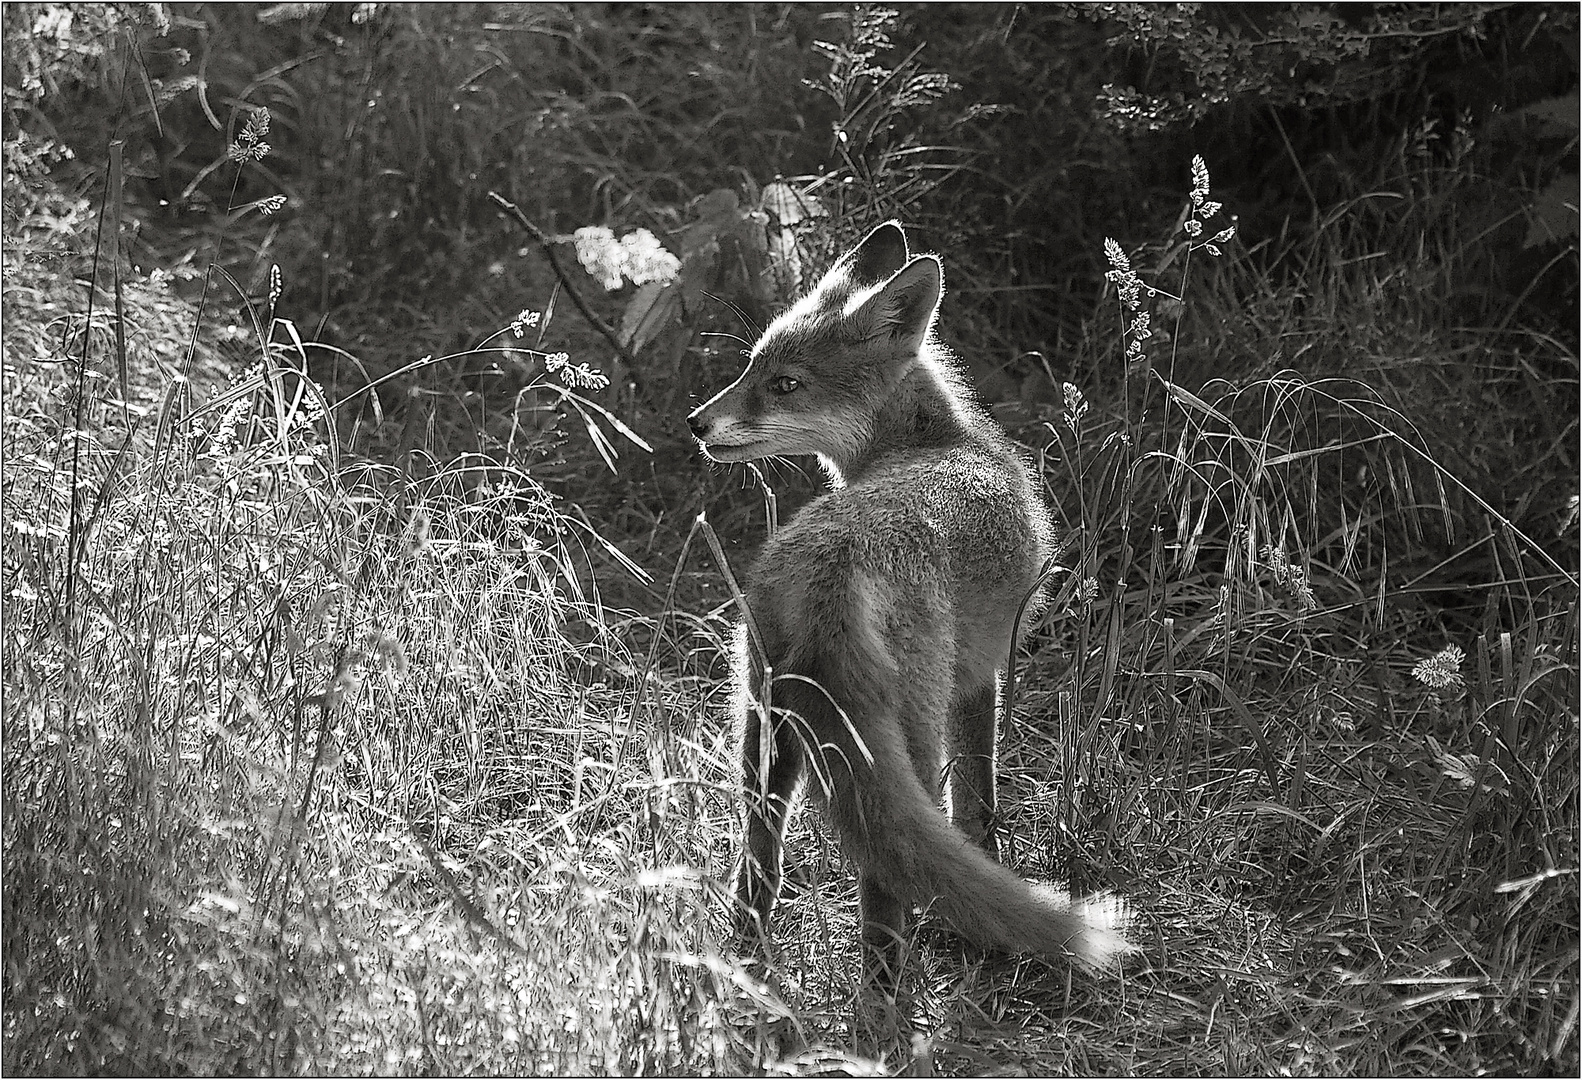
(904, 308)
(880, 254)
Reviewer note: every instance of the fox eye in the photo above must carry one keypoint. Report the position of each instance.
(783, 384)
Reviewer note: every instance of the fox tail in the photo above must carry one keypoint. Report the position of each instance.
(895, 832)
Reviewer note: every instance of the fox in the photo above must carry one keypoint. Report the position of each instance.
(880, 618)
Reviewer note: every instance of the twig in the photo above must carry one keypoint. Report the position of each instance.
(576, 298)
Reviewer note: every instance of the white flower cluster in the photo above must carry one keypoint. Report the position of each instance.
(638, 257)
(524, 321)
(1442, 671)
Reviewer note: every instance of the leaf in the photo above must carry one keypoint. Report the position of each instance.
(1555, 212)
(652, 308)
(698, 271)
(785, 263)
(583, 404)
(726, 243)
(1464, 769)
(718, 212)
(788, 206)
(114, 195)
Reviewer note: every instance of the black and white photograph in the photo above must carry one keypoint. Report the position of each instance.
(797, 539)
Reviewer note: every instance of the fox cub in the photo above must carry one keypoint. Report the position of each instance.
(886, 611)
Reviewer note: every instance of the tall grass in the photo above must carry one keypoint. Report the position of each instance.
(1263, 706)
(313, 767)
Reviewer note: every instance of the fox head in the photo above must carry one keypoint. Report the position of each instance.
(821, 372)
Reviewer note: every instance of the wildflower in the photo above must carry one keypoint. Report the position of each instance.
(581, 376)
(1117, 257)
(1127, 283)
(272, 203)
(1290, 576)
(1441, 671)
(637, 256)
(257, 125)
(274, 284)
(224, 440)
(599, 254)
(584, 377)
(646, 259)
(1076, 405)
(249, 145)
(311, 411)
(1199, 180)
(1204, 208)
(525, 320)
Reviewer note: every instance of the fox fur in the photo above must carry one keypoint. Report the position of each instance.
(885, 611)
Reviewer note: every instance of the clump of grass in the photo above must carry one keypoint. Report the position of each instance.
(313, 767)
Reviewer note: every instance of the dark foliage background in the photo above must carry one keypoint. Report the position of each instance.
(1057, 125)
(1012, 137)
(1047, 128)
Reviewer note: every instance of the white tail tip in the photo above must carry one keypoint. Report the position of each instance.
(1103, 942)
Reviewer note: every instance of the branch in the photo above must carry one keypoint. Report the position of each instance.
(588, 313)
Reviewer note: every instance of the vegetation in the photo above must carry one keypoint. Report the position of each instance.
(363, 644)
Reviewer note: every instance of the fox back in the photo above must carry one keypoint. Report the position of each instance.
(887, 609)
